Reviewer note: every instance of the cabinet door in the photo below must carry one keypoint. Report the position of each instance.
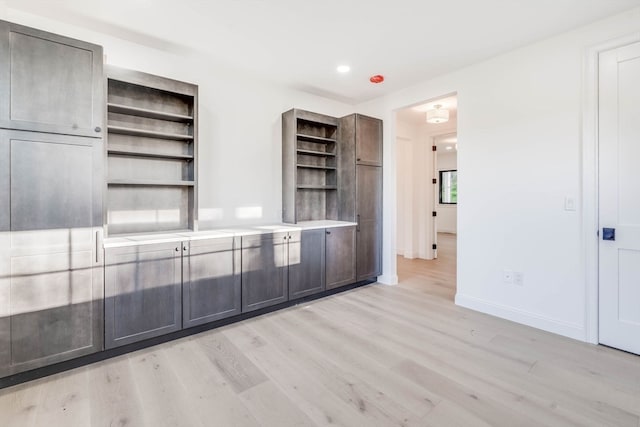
(49, 83)
(264, 270)
(50, 297)
(369, 218)
(211, 281)
(341, 256)
(306, 263)
(368, 141)
(53, 181)
(142, 292)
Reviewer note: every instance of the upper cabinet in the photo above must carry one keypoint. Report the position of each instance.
(50, 83)
(368, 134)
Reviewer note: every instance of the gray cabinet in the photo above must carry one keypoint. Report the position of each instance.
(369, 218)
(264, 270)
(340, 256)
(306, 262)
(211, 286)
(143, 292)
(50, 297)
(50, 83)
(368, 134)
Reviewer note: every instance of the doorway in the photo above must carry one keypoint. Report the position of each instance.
(426, 226)
(619, 198)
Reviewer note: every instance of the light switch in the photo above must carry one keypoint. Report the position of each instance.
(569, 203)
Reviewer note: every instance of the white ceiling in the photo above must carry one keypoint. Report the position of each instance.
(299, 43)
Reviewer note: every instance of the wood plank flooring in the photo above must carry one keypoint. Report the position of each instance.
(374, 356)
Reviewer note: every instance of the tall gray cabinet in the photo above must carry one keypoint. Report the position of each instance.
(51, 175)
(360, 192)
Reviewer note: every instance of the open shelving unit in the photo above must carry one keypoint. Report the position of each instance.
(151, 153)
(309, 159)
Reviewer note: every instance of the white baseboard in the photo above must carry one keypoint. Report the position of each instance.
(388, 279)
(534, 320)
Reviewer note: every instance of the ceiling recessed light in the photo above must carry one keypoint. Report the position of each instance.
(343, 68)
(449, 147)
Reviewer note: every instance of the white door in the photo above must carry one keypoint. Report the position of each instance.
(619, 198)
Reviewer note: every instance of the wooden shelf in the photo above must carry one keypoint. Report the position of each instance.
(316, 153)
(328, 168)
(125, 153)
(312, 138)
(144, 112)
(317, 187)
(147, 182)
(148, 133)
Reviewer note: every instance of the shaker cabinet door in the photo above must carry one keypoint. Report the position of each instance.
(306, 263)
(368, 141)
(50, 83)
(341, 252)
(369, 218)
(211, 280)
(264, 270)
(143, 297)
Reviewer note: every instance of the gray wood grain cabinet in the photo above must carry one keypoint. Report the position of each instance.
(369, 219)
(50, 83)
(306, 260)
(368, 134)
(211, 286)
(340, 256)
(143, 292)
(265, 269)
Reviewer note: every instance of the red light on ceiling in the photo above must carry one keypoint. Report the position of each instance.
(376, 79)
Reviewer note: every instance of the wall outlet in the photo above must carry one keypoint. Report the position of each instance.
(507, 277)
(518, 278)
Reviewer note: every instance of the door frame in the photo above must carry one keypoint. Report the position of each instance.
(590, 180)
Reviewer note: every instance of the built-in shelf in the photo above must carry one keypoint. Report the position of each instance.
(317, 187)
(148, 182)
(148, 133)
(185, 157)
(328, 168)
(312, 138)
(316, 153)
(145, 112)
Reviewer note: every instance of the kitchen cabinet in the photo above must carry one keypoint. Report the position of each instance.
(211, 288)
(306, 260)
(265, 269)
(50, 83)
(369, 219)
(368, 135)
(340, 256)
(143, 292)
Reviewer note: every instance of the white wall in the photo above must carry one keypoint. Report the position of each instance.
(240, 133)
(447, 214)
(519, 114)
(414, 222)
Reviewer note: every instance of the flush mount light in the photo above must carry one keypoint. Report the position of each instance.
(437, 114)
(343, 69)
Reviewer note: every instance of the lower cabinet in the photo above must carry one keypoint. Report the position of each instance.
(369, 250)
(340, 256)
(264, 269)
(306, 262)
(211, 281)
(143, 292)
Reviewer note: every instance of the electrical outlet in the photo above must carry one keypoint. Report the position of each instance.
(518, 278)
(507, 277)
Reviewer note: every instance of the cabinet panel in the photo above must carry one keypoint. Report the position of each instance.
(369, 217)
(368, 141)
(264, 270)
(53, 302)
(369, 193)
(306, 263)
(49, 83)
(142, 292)
(211, 281)
(341, 256)
(5, 185)
(369, 250)
(51, 181)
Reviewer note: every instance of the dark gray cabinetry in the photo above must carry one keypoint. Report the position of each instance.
(309, 170)
(360, 166)
(340, 256)
(211, 280)
(307, 264)
(49, 83)
(143, 292)
(264, 269)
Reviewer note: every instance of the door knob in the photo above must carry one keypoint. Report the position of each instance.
(609, 234)
(98, 129)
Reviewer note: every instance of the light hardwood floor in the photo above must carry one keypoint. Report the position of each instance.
(375, 356)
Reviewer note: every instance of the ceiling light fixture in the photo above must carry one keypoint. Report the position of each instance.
(343, 68)
(437, 114)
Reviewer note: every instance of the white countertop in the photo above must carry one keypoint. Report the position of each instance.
(153, 238)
